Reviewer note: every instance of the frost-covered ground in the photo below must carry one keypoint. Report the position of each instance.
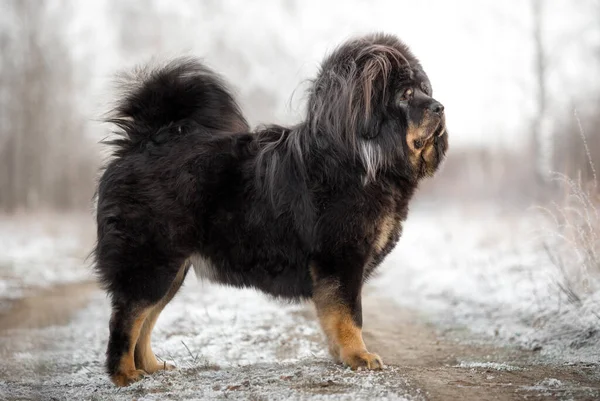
(482, 270)
(41, 251)
(488, 270)
(227, 344)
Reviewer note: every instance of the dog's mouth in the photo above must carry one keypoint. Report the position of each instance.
(441, 128)
(438, 129)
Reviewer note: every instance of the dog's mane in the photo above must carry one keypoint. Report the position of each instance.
(339, 118)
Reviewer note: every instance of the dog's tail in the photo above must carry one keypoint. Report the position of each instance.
(155, 103)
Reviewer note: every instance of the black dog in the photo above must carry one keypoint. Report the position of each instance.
(298, 212)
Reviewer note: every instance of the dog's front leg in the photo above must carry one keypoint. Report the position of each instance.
(337, 300)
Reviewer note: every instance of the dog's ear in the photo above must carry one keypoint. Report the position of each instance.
(371, 91)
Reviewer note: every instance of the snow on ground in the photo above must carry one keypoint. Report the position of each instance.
(43, 250)
(485, 269)
(489, 366)
(479, 267)
(227, 344)
(555, 389)
(482, 269)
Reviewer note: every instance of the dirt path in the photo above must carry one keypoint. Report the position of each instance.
(427, 365)
(53, 306)
(433, 363)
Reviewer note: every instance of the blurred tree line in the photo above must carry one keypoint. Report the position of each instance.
(46, 159)
(572, 145)
(48, 151)
(49, 154)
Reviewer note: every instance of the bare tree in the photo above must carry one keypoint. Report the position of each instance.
(543, 139)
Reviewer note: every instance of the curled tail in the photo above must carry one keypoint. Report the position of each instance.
(155, 102)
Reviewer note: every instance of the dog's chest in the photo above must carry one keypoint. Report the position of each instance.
(387, 229)
(387, 233)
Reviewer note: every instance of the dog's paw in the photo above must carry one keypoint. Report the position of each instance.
(159, 366)
(123, 379)
(358, 360)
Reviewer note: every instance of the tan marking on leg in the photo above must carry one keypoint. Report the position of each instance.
(344, 336)
(346, 339)
(127, 373)
(144, 356)
(325, 292)
(338, 324)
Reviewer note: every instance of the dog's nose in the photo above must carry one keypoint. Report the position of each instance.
(436, 107)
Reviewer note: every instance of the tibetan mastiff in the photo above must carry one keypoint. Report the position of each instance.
(300, 212)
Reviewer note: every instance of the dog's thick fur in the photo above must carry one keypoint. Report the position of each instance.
(302, 212)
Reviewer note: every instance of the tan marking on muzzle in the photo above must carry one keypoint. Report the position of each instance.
(416, 135)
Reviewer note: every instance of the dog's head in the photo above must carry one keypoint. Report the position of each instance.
(373, 98)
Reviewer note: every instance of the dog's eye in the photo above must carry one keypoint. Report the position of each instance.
(406, 95)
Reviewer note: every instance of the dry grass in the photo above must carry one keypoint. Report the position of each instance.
(573, 245)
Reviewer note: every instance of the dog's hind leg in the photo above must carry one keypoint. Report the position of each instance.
(139, 290)
(144, 356)
(125, 325)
